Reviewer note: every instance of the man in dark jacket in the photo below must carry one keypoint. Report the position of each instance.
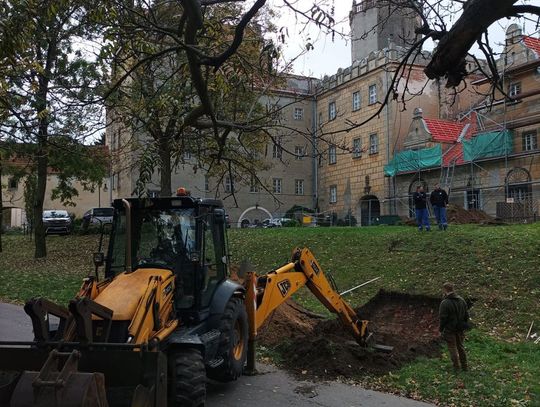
(420, 206)
(454, 320)
(439, 200)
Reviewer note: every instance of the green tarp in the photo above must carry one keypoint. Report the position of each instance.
(486, 145)
(414, 160)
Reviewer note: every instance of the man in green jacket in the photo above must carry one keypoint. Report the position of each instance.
(454, 320)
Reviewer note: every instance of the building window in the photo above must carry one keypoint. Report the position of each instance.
(277, 150)
(332, 111)
(299, 187)
(228, 185)
(529, 140)
(333, 194)
(514, 89)
(254, 185)
(473, 199)
(320, 119)
(373, 144)
(299, 152)
(357, 148)
(298, 113)
(115, 181)
(276, 185)
(332, 155)
(206, 183)
(118, 141)
(187, 155)
(372, 94)
(13, 184)
(355, 101)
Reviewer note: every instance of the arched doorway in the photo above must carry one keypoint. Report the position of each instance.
(260, 213)
(369, 210)
(518, 185)
(519, 193)
(416, 182)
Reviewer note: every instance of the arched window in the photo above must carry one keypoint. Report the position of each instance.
(518, 185)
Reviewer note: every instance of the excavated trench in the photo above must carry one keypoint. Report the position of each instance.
(324, 349)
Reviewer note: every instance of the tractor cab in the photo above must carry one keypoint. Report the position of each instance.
(181, 234)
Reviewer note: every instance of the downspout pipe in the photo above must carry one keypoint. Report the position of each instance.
(127, 207)
(314, 163)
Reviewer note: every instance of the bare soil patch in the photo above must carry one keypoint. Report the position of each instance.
(459, 215)
(324, 349)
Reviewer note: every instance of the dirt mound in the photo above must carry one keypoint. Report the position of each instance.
(324, 349)
(457, 214)
(290, 322)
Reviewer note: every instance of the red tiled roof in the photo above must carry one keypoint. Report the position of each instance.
(448, 132)
(533, 44)
(453, 154)
(444, 131)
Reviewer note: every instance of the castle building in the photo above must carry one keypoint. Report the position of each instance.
(354, 127)
(488, 158)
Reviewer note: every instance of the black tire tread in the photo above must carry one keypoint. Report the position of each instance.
(229, 369)
(189, 376)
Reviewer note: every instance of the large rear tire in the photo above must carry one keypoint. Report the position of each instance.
(187, 387)
(233, 342)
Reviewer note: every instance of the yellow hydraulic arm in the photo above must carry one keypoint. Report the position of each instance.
(265, 293)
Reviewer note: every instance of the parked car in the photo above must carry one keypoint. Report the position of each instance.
(274, 222)
(97, 217)
(57, 221)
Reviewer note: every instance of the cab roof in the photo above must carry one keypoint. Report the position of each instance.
(169, 202)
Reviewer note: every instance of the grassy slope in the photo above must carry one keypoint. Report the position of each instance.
(496, 265)
(56, 277)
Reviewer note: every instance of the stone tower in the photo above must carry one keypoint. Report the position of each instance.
(375, 23)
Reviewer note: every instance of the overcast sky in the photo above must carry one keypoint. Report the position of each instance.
(329, 55)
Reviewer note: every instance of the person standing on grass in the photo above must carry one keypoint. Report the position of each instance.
(454, 321)
(439, 200)
(420, 205)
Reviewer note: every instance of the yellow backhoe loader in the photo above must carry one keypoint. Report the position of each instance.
(165, 316)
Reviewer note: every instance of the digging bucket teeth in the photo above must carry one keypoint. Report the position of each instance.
(368, 340)
(382, 348)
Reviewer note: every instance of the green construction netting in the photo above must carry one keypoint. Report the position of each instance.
(414, 160)
(493, 144)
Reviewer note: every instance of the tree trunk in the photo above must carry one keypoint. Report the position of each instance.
(165, 174)
(41, 185)
(42, 162)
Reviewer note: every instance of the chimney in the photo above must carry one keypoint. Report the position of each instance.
(513, 34)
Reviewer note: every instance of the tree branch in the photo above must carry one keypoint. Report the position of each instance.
(218, 60)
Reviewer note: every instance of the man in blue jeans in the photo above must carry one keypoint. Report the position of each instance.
(439, 200)
(420, 204)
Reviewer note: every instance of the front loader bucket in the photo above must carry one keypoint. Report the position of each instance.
(100, 377)
(62, 388)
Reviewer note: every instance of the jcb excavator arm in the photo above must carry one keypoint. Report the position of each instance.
(266, 293)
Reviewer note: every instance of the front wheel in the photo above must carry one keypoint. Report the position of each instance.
(187, 387)
(233, 342)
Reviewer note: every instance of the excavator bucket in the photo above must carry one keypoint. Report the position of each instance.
(63, 388)
(97, 377)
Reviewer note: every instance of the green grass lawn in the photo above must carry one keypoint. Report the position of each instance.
(498, 266)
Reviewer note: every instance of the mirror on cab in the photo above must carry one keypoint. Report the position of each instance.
(99, 259)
